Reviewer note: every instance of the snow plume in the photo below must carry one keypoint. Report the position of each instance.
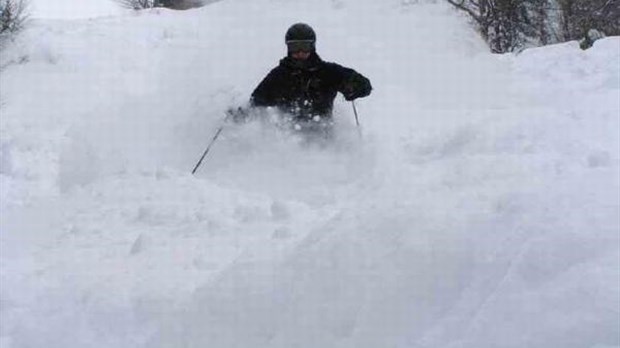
(479, 207)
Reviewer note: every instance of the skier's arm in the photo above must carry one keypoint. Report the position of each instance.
(352, 84)
(264, 94)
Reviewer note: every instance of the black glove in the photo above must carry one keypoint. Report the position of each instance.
(351, 94)
(356, 86)
(238, 115)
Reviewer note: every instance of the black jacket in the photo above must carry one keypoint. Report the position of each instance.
(307, 89)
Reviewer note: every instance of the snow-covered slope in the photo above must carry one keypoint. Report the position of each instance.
(480, 209)
(70, 9)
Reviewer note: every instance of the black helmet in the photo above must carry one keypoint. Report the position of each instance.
(300, 32)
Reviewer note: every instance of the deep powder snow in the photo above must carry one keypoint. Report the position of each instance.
(480, 208)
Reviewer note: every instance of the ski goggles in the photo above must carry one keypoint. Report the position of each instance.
(300, 45)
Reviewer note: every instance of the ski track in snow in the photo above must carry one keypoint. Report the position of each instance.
(480, 209)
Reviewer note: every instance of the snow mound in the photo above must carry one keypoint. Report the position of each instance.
(479, 208)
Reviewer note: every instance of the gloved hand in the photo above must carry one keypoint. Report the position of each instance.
(356, 86)
(350, 93)
(238, 115)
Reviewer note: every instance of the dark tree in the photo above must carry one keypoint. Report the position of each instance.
(12, 16)
(581, 16)
(508, 25)
(497, 20)
(173, 4)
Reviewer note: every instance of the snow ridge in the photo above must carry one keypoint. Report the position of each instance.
(480, 208)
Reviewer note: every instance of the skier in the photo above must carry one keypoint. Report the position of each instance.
(303, 86)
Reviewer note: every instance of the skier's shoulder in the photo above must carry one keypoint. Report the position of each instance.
(277, 73)
(335, 68)
(278, 69)
(326, 65)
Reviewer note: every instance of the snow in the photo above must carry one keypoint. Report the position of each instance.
(480, 208)
(71, 9)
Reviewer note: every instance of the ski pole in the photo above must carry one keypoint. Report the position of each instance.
(357, 121)
(217, 134)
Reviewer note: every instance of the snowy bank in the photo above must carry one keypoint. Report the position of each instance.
(480, 209)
